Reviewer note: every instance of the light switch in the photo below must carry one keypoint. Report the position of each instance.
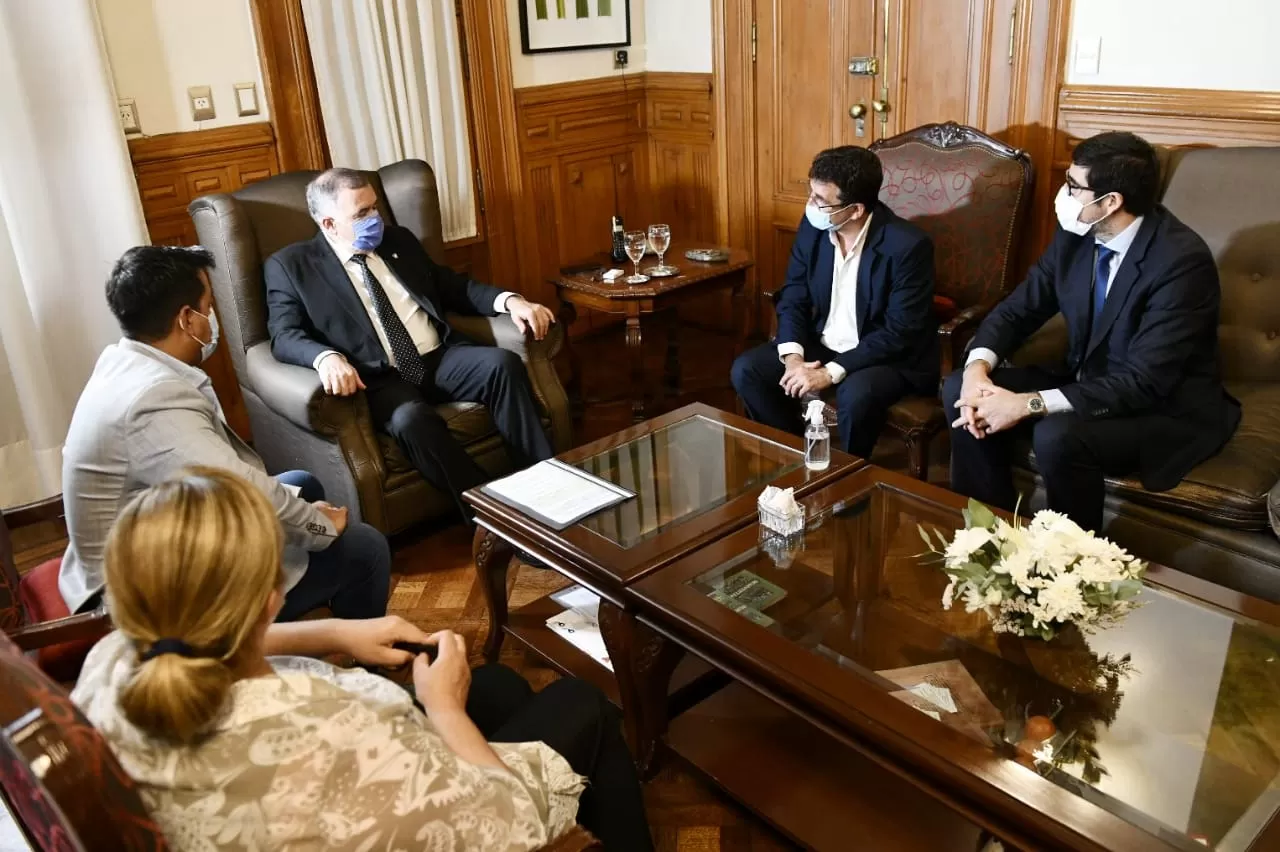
(247, 98)
(201, 98)
(1088, 55)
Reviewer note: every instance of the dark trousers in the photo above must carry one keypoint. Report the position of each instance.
(862, 399)
(578, 722)
(352, 576)
(1074, 455)
(494, 377)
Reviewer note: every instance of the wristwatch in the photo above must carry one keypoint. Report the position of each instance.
(1035, 405)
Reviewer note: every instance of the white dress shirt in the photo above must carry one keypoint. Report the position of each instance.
(840, 334)
(1054, 400)
(415, 319)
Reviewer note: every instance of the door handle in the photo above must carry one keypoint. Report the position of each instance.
(857, 111)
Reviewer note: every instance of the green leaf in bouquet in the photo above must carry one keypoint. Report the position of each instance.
(979, 515)
(942, 540)
(924, 534)
(1125, 590)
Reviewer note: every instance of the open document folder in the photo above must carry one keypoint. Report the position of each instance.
(556, 494)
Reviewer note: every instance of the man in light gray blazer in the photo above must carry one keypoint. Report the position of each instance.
(148, 412)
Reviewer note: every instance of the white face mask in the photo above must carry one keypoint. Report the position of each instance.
(1069, 208)
(821, 219)
(207, 349)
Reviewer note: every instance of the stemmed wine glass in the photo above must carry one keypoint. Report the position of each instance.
(635, 242)
(659, 241)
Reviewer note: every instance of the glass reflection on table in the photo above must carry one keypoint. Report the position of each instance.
(1182, 739)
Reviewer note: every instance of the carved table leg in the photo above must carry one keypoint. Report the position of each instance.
(643, 662)
(492, 557)
(635, 353)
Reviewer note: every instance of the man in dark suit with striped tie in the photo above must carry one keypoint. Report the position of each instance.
(364, 305)
(1140, 390)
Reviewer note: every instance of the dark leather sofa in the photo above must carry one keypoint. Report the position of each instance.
(295, 424)
(1216, 524)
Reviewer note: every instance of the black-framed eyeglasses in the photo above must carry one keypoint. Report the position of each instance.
(814, 199)
(1072, 186)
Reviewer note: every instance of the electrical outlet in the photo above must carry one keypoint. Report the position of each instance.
(128, 111)
(620, 59)
(201, 98)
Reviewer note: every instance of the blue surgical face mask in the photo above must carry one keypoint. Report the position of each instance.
(821, 219)
(368, 233)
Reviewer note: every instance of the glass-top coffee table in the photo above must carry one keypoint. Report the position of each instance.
(1159, 732)
(696, 473)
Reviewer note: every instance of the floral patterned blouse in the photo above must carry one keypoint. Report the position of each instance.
(322, 758)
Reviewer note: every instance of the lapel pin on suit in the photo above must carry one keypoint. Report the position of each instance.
(395, 256)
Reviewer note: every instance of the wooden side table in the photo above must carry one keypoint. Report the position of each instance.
(583, 287)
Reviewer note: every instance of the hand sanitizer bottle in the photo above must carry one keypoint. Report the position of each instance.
(817, 438)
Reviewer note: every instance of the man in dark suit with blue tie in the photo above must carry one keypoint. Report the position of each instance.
(1140, 389)
(364, 306)
(855, 312)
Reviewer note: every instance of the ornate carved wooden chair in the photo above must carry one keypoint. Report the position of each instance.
(969, 193)
(32, 611)
(59, 778)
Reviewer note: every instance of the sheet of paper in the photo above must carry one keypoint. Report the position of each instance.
(938, 696)
(580, 599)
(557, 494)
(583, 633)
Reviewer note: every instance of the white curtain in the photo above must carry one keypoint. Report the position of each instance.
(68, 208)
(389, 75)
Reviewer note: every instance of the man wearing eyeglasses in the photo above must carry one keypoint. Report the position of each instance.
(1140, 389)
(855, 316)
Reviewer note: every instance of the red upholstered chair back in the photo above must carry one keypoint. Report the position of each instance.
(59, 778)
(969, 193)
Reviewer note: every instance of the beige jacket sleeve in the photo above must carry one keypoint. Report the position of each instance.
(171, 428)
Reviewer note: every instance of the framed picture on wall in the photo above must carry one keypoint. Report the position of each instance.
(550, 25)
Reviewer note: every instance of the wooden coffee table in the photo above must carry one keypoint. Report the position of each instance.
(657, 297)
(697, 473)
(1181, 751)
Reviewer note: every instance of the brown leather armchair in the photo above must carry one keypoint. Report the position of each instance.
(295, 424)
(1214, 524)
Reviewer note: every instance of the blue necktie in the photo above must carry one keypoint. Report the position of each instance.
(1101, 272)
(408, 362)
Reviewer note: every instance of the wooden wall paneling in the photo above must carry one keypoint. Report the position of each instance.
(290, 81)
(681, 132)
(734, 110)
(173, 169)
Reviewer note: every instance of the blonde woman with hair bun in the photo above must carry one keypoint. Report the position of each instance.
(235, 750)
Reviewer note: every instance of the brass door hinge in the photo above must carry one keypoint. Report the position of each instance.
(753, 41)
(480, 190)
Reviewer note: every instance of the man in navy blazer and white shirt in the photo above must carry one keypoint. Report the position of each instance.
(855, 313)
(1139, 390)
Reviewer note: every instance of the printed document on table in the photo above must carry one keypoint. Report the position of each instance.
(556, 494)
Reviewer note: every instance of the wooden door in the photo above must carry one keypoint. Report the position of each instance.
(804, 93)
(947, 60)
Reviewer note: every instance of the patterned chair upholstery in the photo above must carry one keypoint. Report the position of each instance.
(59, 778)
(969, 193)
(32, 611)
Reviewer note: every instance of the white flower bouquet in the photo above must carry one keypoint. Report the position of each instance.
(1034, 579)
